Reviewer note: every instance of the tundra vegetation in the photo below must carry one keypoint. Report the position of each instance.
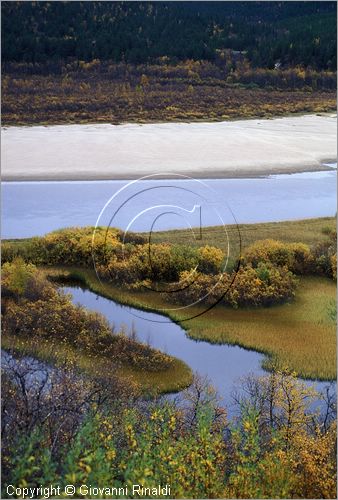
(87, 414)
(274, 286)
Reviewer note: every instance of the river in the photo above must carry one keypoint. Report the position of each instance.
(35, 208)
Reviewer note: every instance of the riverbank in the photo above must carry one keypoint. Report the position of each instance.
(201, 150)
(171, 380)
(46, 325)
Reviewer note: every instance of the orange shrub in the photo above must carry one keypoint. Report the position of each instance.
(262, 286)
(210, 259)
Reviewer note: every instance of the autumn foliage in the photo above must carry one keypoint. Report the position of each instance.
(98, 92)
(277, 447)
(34, 309)
(280, 445)
(298, 257)
(265, 275)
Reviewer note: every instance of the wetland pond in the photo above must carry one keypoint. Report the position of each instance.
(223, 365)
(35, 208)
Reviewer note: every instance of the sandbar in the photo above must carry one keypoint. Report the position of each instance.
(243, 148)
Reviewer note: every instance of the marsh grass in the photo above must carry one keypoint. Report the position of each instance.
(173, 379)
(308, 231)
(300, 334)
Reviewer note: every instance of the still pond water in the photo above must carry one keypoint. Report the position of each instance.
(223, 365)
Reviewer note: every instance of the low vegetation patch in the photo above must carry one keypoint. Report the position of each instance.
(42, 321)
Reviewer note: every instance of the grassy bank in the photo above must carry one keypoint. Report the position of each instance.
(301, 334)
(40, 321)
(308, 231)
(173, 379)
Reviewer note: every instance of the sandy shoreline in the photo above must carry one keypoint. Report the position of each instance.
(244, 148)
(229, 174)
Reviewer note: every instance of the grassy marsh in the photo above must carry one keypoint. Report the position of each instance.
(308, 231)
(300, 335)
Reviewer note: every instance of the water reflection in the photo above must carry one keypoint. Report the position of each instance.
(224, 365)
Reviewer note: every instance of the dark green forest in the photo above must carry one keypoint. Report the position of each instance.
(76, 62)
(265, 33)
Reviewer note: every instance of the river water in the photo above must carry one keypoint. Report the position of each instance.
(35, 208)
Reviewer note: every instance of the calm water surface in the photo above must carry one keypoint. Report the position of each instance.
(224, 365)
(35, 208)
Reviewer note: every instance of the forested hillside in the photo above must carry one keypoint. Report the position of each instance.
(292, 33)
(74, 62)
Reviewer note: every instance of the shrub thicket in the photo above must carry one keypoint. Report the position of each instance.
(266, 275)
(264, 285)
(34, 309)
(297, 257)
(277, 447)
